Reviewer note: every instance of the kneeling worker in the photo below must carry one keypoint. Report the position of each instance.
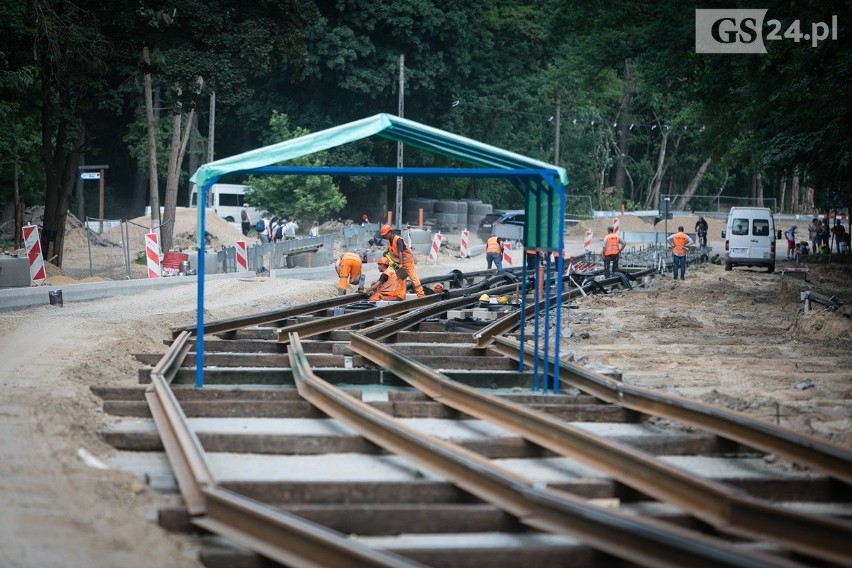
(388, 286)
(348, 268)
(401, 254)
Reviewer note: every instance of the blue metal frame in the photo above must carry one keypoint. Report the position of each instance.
(526, 181)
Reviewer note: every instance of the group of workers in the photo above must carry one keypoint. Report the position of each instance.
(397, 264)
(395, 267)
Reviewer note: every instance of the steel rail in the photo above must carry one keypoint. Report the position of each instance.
(648, 542)
(288, 539)
(729, 510)
(821, 455)
(271, 533)
(388, 328)
(484, 337)
(331, 323)
(183, 449)
(239, 322)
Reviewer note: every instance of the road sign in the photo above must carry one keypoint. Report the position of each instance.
(90, 175)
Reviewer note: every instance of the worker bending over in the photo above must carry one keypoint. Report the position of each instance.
(348, 268)
(388, 286)
(401, 254)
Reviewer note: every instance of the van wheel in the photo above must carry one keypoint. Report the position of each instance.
(728, 266)
(771, 268)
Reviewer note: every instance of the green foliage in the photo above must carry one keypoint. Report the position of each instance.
(304, 197)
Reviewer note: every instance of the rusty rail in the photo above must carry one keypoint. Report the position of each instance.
(727, 509)
(647, 542)
(821, 455)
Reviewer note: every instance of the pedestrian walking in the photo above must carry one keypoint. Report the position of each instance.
(245, 220)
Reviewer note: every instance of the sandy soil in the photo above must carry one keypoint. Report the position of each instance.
(738, 339)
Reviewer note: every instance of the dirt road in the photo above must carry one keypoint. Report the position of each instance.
(739, 339)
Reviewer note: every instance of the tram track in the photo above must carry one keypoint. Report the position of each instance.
(779, 536)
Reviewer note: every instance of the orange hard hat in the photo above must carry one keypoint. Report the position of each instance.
(383, 260)
(385, 230)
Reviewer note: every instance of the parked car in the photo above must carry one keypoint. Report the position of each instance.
(486, 226)
(510, 225)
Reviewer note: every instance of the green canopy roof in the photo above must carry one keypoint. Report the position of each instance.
(386, 126)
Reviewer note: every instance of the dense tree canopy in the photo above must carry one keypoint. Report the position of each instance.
(614, 92)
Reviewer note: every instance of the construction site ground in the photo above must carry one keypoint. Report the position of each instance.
(739, 339)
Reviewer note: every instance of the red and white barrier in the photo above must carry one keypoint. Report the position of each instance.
(436, 245)
(615, 226)
(152, 251)
(464, 249)
(507, 253)
(242, 257)
(37, 272)
(587, 242)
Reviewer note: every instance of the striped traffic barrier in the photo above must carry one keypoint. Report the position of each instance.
(152, 251)
(615, 226)
(587, 242)
(436, 245)
(242, 257)
(33, 245)
(507, 253)
(464, 248)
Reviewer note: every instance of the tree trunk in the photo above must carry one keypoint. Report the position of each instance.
(623, 129)
(654, 185)
(758, 183)
(794, 192)
(177, 150)
(681, 203)
(60, 165)
(782, 197)
(153, 189)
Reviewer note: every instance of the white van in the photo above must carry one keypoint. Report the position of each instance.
(750, 238)
(227, 200)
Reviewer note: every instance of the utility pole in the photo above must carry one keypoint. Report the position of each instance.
(401, 113)
(558, 127)
(212, 127)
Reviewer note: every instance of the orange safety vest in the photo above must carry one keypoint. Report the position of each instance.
(679, 243)
(493, 245)
(611, 242)
(394, 250)
(393, 287)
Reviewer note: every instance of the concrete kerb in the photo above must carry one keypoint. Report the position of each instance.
(13, 298)
(37, 296)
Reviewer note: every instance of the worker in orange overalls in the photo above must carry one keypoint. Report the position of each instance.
(612, 247)
(348, 268)
(400, 254)
(388, 286)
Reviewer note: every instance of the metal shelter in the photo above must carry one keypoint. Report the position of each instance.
(542, 185)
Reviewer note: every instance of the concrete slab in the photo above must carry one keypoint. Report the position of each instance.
(494, 541)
